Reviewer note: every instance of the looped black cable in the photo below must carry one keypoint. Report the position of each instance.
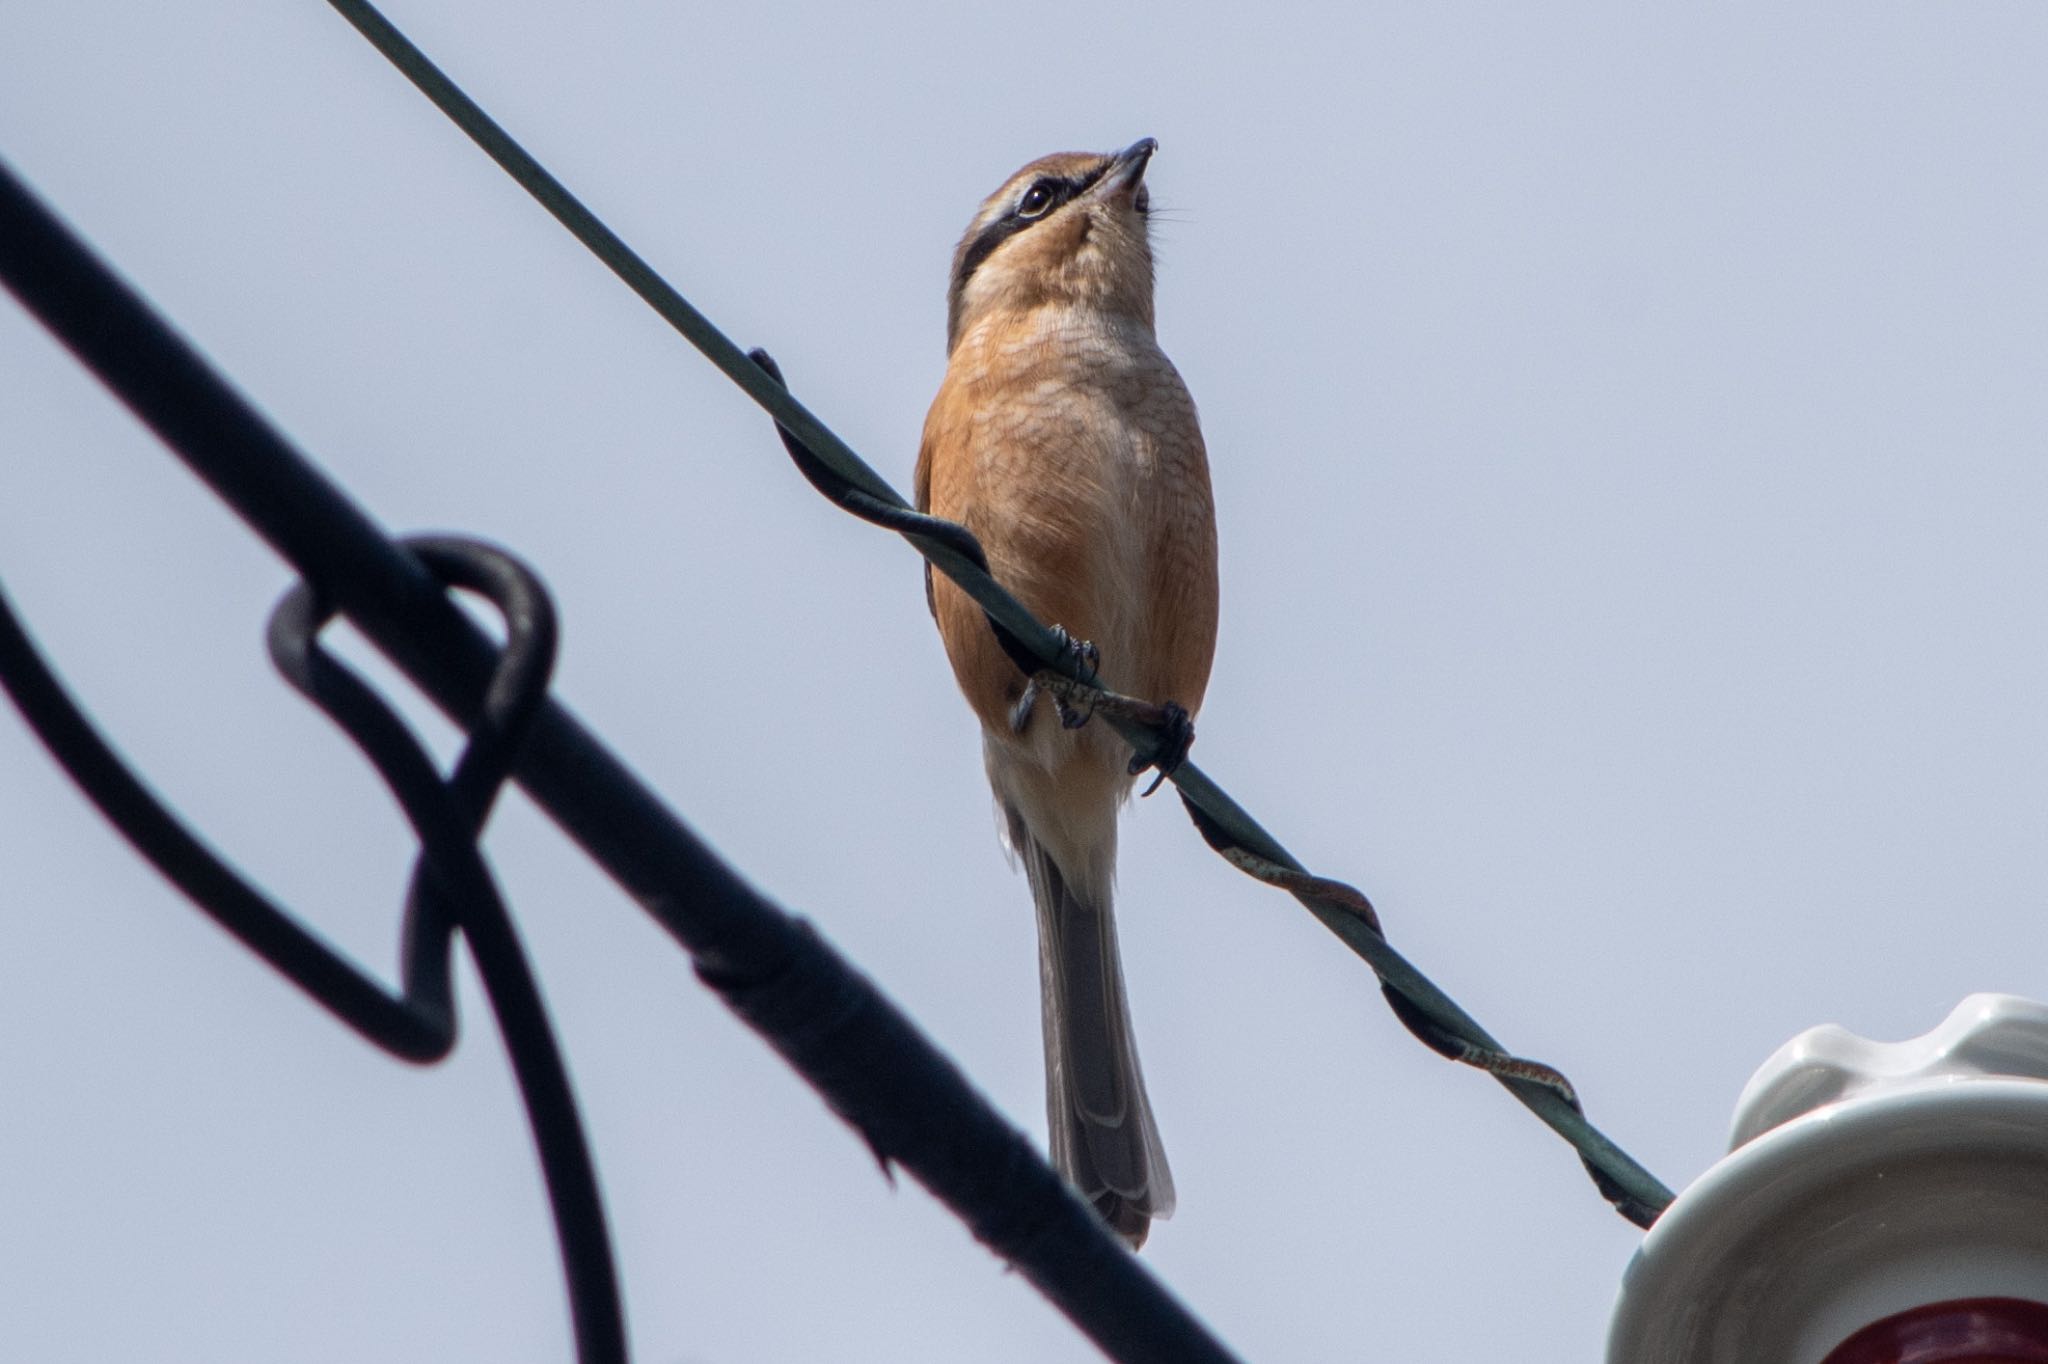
(417, 1024)
(452, 889)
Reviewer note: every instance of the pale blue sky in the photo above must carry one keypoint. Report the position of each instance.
(1627, 430)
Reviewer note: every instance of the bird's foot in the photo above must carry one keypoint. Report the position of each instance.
(1020, 712)
(1176, 736)
(1086, 660)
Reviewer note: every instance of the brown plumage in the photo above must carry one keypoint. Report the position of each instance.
(1065, 440)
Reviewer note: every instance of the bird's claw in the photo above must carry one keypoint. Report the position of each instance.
(1086, 658)
(1176, 736)
(1087, 663)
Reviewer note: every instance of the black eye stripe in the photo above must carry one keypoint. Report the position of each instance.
(982, 247)
(1012, 222)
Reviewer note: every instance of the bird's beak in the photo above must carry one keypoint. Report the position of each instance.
(1127, 171)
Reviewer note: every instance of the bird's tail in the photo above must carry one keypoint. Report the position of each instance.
(1104, 1141)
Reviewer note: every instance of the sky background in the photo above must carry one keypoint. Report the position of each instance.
(1627, 431)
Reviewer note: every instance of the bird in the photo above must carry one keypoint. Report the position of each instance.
(1065, 441)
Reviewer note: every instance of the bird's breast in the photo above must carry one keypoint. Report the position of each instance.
(1065, 440)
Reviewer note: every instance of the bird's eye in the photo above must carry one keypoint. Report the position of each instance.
(1036, 200)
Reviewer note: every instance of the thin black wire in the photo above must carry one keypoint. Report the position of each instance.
(870, 1064)
(834, 468)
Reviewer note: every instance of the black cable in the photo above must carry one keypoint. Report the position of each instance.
(871, 1065)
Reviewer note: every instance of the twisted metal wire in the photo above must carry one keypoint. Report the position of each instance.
(1158, 736)
(841, 475)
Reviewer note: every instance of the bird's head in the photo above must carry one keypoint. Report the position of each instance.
(1068, 228)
